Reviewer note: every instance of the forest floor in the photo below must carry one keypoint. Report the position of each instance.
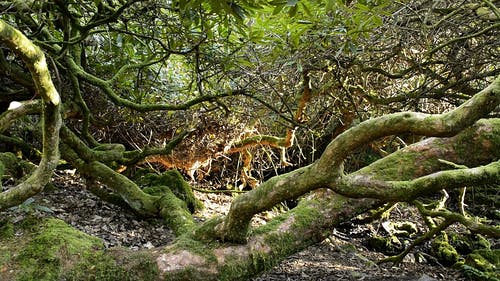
(342, 256)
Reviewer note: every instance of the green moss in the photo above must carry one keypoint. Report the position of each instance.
(53, 246)
(393, 166)
(49, 250)
(473, 273)
(206, 232)
(405, 229)
(484, 260)
(443, 251)
(190, 273)
(271, 225)
(96, 266)
(6, 235)
(175, 213)
(471, 142)
(174, 181)
(14, 166)
(202, 249)
(6, 229)
(9, 164)
(482, 265)
(283, 244)
(387, 245)
(101, 266)
(462, 243)
(466, 243)
(235, 268)
(481, 243)
(303, 216)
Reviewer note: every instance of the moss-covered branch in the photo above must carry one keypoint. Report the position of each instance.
(321, 210)
(83, 109)
(429, 155)
(35, 61)
(134, 157)
(196, 256)
(163, 203)
(329, 167)
(365, 187)
(438, 125)
(18, 110)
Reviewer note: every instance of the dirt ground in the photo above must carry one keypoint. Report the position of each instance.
(342, 256)
(335, 259)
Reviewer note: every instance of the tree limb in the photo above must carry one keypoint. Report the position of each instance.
(329, 167)
(34, 58)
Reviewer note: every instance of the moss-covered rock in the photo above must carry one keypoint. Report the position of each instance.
(480, 242)
(482, 265)
(49, 249)
(467, 243)
(462, 243)
(388, 245)
(52, 247)
(484, 260)
(443, 251)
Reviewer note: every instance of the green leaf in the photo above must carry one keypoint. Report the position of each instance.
(293, 11)
(278, 9)
(299, 67)
(306, 9)
(295, 39)
(238, 11)
(43, 209)
(330, 4)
